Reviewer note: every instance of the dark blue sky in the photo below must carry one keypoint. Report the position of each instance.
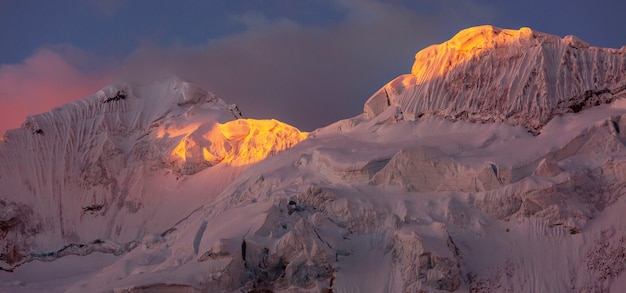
(305, 62)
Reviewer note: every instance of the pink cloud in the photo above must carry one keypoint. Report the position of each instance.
(43, 81)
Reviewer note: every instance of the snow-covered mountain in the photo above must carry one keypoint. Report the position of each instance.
(521, 77)
(498, 165)
(108, 169)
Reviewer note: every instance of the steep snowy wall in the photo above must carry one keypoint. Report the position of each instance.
(126, 161)
(521, 77)
(364, 205)
(430, 218)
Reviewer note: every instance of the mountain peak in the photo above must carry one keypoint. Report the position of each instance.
(487, 36)
(522, 77)
(474, 41)
(93, 169)
(158, 187)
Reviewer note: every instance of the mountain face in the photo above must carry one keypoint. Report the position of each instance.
(112, 167)
(521, 77)
(471, 174)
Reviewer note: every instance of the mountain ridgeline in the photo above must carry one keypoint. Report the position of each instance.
(497, 164)
(522, 77)
(91, 170)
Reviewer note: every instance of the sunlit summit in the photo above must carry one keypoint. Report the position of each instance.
(497, 164)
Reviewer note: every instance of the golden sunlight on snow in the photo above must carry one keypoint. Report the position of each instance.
(487, 37)
(239, 142)
(464, 46)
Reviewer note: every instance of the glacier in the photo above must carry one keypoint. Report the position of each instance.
(497, 165)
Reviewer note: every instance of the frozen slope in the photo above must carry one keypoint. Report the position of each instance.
(100, 173)
(383, 202)
(503, 211)
(521, 77)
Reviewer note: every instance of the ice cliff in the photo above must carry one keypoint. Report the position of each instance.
(522, 77)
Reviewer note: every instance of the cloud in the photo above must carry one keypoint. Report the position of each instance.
(303, 75)
(44, 80)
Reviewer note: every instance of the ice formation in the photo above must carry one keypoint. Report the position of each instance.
(521, 77)
(498, 165)
(116, 165)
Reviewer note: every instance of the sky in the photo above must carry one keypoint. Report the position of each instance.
(308, 63)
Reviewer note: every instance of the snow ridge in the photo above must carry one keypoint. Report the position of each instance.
(389, 201)
(523, 77)
(94, 169)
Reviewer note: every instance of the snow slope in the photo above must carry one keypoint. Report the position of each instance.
(100, 173)
(383, 202)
